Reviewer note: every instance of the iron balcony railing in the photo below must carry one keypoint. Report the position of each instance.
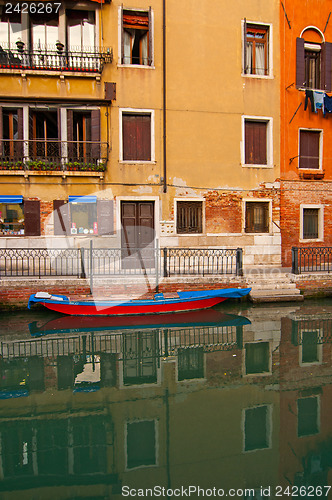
(54, 58)
(106, 262)
(311, 259)
(52, 154)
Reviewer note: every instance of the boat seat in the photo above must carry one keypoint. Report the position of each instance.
(169, 295)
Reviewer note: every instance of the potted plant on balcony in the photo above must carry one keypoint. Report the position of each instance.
(11, 165)
(41, 165)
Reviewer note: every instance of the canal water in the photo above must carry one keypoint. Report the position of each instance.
(233, 402)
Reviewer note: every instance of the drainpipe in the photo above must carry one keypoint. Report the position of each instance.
(164, 100)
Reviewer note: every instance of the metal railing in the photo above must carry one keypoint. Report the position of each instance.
(311, 259)
(106, 262)
(51, 58)
(52, 154)
(202, 261)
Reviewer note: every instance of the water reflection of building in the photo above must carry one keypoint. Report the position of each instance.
(161, 407)
(305, 398)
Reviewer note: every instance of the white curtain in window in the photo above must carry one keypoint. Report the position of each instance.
(144, 46)
(249, 59)
(127, 46)
(260, 59)
(88, 35)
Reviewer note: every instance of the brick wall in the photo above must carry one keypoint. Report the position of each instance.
(293, 194)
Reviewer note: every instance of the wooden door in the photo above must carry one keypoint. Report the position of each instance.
(137, 236)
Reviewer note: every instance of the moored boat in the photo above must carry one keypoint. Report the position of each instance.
(160, 303)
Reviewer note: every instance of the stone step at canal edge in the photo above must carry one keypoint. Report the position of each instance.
(273, 287)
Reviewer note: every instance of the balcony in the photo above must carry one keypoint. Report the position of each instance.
(56, 58)
(53, 155)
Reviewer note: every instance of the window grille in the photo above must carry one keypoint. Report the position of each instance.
(189, 216)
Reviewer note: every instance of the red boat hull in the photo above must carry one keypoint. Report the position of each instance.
(119, 310)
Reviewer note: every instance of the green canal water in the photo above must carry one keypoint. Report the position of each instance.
(235, 402)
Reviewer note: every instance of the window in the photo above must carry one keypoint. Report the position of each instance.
(311, 348)
(189, 217)
(257, 356)
(10, 30)
(312, 66)
(136, 42)
(313, 69)
(83, 135)
(81, 29)
(141, 444)
(310, 145)
(307, 416)
(255, 142)
(44, 30)
(136, 137)
(190, 363)
(257, 428)
(12, 134)
(18, 217)
(83, 215)
(43, 134)
(140, 358)
(310, 223)
(256, 49)
(257, 217)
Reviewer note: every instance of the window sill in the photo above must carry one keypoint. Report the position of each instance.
(189, 234)
(140, 66)
(311, 174)
(254, 165)
(259, 77)
(137, 162)
(313, 240)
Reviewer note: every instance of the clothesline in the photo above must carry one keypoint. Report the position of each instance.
(318, 100)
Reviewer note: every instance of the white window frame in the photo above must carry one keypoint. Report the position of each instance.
(269, 140)
(176, 200)
(156, 433)
(142, 66)
(318, 416)
(137, 111)
(263, 200)
(301, 169)
(269, 425)
(319, 349)
(270, 49)
(320, 208)
(256, 374)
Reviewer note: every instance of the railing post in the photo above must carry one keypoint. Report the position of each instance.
(156, 257)
(83, 274)
(165, 262)
(295, 260)
(239, 268)
(91, 267)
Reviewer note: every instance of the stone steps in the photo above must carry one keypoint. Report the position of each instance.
(272, 288)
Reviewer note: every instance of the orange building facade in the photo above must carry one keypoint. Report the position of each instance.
(306, 124)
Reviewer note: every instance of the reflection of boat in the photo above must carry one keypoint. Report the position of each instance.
(77, 324)
(160, 304)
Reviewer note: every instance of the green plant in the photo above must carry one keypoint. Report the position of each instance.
(11, 165)
(41, 165)
(85, 167)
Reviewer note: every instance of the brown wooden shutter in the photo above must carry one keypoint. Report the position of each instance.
(95, 134)
(257, 217)
(20, 148)
(70, 133)
(136, 133)
(105, 214)
(110, 91)
(326, 66)
(255, 143)
(61, 214)
(31, 218)
(300, 65)
(309, 149)
(150, 38)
